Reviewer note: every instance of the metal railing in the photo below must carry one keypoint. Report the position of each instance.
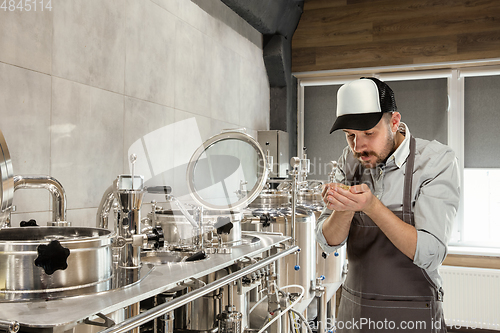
(162, 309)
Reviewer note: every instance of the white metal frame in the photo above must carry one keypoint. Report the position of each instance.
(455, 72)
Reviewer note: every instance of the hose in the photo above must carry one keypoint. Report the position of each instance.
(287, 308)
(184, 212)
(303, 320)
(292, 322)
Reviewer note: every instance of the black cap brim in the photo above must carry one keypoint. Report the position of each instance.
(359, 122)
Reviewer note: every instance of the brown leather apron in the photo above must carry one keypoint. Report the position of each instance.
(384, 290)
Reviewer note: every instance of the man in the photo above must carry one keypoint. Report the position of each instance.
(396, 215)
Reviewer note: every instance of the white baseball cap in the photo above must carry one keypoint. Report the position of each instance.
(361, 104)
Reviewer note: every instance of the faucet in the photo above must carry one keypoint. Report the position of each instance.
(56, 190)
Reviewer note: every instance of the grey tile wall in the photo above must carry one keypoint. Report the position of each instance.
(150, 53)
(26, 39)
(88, 44)
(149, 135)
(91, 151)
(193, 68)
(225, 87)
(91, 81)
(25, 106)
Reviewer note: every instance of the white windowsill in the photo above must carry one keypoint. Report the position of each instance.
(474, 251)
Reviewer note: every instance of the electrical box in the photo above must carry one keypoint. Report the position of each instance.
(276, 142)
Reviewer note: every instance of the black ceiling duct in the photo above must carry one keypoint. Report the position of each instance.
(277, 21)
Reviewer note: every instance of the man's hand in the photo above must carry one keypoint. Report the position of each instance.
(359, 198)
(355, 198)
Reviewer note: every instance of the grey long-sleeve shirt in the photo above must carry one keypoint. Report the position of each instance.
(435, 196)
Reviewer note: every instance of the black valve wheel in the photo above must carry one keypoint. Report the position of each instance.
(30, 223)
(52, 257)
(223, 225)
(157, 237)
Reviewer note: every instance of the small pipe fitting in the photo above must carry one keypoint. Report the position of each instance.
(53, 186)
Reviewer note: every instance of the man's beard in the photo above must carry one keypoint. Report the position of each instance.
(388, 149)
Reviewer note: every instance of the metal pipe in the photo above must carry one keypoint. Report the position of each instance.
(9, 326)
(294, 162)
(102, 218)
(229, 290)
(322, 312)
(157, 311)
(294, 206)
(132, 311)
(320, 294)
(53, 186)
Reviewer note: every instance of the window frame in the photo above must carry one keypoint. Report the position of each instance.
(454, 72)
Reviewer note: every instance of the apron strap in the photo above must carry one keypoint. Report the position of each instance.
(407, 190)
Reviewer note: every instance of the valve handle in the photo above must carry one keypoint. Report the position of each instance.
(158, 231)
(30, 223)
(297, 266)
(157, 238)
(159, 189)
(200, 255)
(223, 225)
(266, 220)
(52, 257)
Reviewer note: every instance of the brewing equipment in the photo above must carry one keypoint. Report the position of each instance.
(55, 189)
(53, 262)
(290, 270)
(48, 262)
(275, 143)
(219, 167)
(272, 198)
(211, 266)
(273, 210)
(220, 226)
(6, 183)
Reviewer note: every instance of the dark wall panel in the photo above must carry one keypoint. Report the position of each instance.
(482, 122)
(423, 106)
(320, 104)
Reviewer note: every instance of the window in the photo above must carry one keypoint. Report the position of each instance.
(481, 224)
(459, 107)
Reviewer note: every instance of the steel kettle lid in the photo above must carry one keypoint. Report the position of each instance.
(227, 172)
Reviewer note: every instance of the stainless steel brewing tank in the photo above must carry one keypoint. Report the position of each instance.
(309, 197)
(178, 231)
(89, 263)
(271, 199)
(328, 265)
(279, 220)
(198, 315)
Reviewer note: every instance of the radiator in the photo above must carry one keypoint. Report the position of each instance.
(471, 297)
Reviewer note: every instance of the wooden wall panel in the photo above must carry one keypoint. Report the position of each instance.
(338, 34)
